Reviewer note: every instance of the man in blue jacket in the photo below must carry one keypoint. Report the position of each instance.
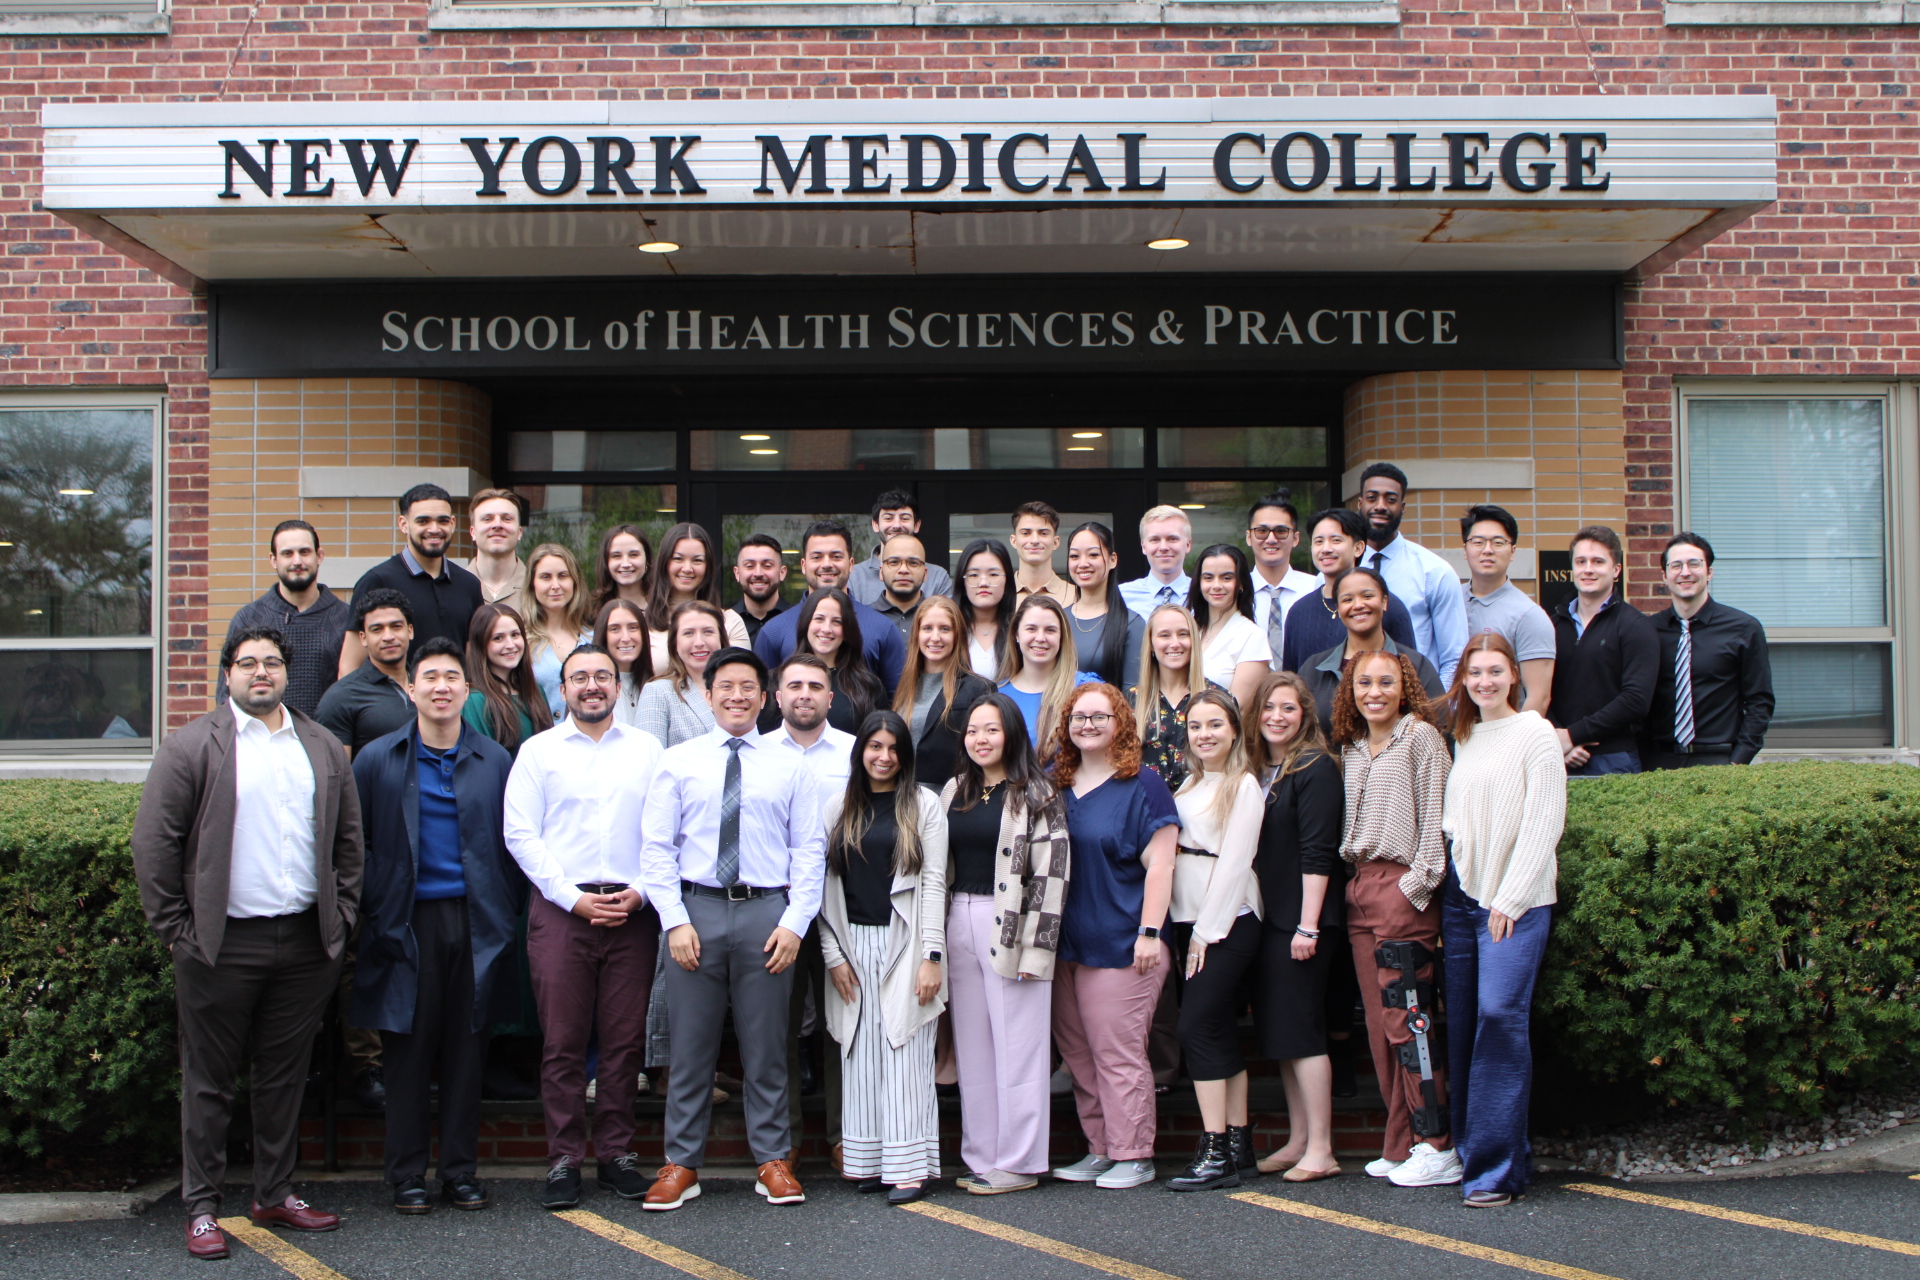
(441, 900)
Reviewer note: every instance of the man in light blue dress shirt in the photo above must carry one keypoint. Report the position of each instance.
(1417, 577)
(1166, 535)
(733, 856)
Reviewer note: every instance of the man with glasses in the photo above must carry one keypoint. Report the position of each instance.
(1713, 693)
(826, 555)
(574, 810)
(894, 513)
(1273, 531)
(438, 911)
(734, 857)
(248, 856)
(903, 568)
(1491, 535)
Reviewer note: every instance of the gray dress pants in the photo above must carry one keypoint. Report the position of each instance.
(732, 973)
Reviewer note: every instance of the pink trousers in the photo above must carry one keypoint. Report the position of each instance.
(1000, 1037)
(1101, 1018)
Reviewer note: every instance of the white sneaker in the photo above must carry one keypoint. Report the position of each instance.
(1426, 1167)
(1382, 1167)
(643, 1084)
(1127, 1173)
(1085, 1169)
(593, 1088)
(1061, 1083)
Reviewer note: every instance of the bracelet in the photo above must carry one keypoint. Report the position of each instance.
(1307, 933)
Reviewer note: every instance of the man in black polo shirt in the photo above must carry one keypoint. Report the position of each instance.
(443, 595)
(371, 701)
(299, 607)
(1713, 695)
(1606, 657)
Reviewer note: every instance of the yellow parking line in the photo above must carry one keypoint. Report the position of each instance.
(1752, 1219)
(1518, 1261)
(1041, 1244)
(627, 1238)
(293, 1261)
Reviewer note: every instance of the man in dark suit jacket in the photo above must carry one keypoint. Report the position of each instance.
(247, 851)
(438, 911)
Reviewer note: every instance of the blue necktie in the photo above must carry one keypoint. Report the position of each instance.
(1683, 686)
(1163, 596)
(727, 869)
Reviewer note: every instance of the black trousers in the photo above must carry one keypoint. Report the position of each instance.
(442, 1039)
(1693, 760)
(1211, 1000)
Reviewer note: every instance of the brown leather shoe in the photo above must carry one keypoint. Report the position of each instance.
(672, 1187)
(205, 1239)
(294, 1214)
(778, 1185)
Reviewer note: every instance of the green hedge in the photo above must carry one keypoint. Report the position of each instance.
(1745, 938)
(86, 993)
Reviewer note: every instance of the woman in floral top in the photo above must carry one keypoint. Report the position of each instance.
(1165, 688)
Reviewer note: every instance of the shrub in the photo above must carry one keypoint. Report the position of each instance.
(86, 993)
(1738, 937)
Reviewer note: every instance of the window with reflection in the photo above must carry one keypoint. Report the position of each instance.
(1218, 509)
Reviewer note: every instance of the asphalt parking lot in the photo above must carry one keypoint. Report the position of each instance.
(1858, 1226)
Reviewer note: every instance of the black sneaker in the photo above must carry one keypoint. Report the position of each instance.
(411, 1197)
(623, 1177)
(563, 1186)
(368, 1089)
(465, 1192)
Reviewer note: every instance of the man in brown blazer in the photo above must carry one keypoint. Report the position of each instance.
(248, 852)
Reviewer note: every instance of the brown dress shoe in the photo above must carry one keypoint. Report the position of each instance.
(295, 1215)
(205, 1239)
(672, 1187)
(778, 1185)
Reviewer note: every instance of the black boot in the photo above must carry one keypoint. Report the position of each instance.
(1212, 1167)
(1240, 1141)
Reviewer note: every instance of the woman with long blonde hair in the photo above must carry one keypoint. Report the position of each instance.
(937, 688)
(559, 616)
(1039, 670)
(1169, 677)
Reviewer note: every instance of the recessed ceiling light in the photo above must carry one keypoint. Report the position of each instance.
(5, 544)
(665, 511)
(34, 613)
(1168, 242)
(77, 493)
(1079, 448)
(658, 246)
(761, 453)
(1193, 506)
(756, 437)
(1088, 435)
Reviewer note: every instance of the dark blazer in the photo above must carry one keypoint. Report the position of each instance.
(183, 834)
(937, 754)
(387, 966)
(1300, 836)
(1603, 680)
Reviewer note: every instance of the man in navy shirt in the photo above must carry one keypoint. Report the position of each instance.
(1337, 536)
(826, 557)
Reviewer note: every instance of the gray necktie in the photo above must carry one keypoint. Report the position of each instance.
(727, 869)
(1163, 596)
(1683, 686)
(1276, 624)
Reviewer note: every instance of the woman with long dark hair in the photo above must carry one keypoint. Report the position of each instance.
(937, 688)
(1505, 810)
(983, 588)
(1298, 866)
(1107, 634)
(1394, 764)
(883, 935)
(1008, 860)
(673, 705)
(505, 704)
(828, 629)
(1123, 826)
(625, 557)
(688, 569)
(1361, 599)
(1234, 652)
(621, 629)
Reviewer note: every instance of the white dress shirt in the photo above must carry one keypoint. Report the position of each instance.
(574, 807)
(1143, 595)
(1267, 597)
(782, 838)
(1430, 589)
(1236, 641)
(830, 758)
(273, 871)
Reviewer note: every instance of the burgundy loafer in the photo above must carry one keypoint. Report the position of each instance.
(295, 1215)
(205, 1239)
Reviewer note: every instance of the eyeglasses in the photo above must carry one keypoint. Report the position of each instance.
(1092, 719)
(581, 679)
(903, 562)
(1263, 532)
(251, 665)
(1695, 564)
(1489, 544)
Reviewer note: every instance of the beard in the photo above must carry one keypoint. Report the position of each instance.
(299, 579)
(1384, 533)
(804, 719)
(420, 550)
(257, 705)
(594, 715)
(768, 592)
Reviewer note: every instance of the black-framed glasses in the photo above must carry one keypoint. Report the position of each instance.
(1262, 532)
(1091, 719)
(250, 665)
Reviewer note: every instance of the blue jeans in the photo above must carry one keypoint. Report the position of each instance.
(1599, 766)
(1489, 1050)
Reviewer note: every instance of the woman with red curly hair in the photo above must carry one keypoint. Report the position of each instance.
(1395, 766)
(1122, 824)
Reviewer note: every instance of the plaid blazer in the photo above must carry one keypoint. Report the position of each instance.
(1030, 877)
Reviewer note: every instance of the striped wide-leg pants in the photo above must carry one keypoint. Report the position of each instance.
(889, 1119)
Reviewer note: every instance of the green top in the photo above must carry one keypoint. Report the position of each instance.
(475, 714)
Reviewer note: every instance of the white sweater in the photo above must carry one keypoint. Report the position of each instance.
(1506, 807)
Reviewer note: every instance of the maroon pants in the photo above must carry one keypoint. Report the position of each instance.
(585, 975)
(1377, 912)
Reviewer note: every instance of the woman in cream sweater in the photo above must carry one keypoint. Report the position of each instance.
(1506, 806)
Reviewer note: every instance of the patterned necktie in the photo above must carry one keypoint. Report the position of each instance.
(1683, 686)
(1276, 624)
(1163, 596)
(727, 869)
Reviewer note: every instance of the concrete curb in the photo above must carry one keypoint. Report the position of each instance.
(1890, 1151)
(24, 1207)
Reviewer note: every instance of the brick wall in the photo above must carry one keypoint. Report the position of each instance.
(1822, 284)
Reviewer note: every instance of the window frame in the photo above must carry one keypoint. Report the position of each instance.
(155, 402)
(1900, 550)
(510, 15)
(77, 19)
(1792, 13)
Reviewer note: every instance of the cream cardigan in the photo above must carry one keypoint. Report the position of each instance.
(1506, 807)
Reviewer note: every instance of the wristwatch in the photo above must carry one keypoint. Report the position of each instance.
(1148, 931)
(934, 956)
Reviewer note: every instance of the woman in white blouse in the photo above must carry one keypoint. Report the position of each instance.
(1216, 916)
(1234, 652)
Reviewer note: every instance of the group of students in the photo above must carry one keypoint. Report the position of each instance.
(1021, 802)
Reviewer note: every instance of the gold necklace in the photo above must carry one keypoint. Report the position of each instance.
(986, 791)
